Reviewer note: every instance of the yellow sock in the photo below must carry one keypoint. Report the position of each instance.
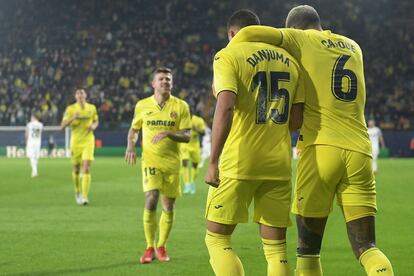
(86, 184)
(276, 257)
(223, 259)
(194, 173)
(309, 265)
(376, 263)
(76, 182)
(185, 174)
(150, 226)
(166, 223)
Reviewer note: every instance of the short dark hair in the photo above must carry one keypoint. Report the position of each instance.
(79, 88)
(243, 18)
(165, 70)
(303, 17)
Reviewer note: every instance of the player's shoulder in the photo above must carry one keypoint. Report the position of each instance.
(90, 106)
(178, 101)
(143, 102)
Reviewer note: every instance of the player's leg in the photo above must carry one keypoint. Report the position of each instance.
(375, 153)
(195, 159)
(272, 204)
(87, 158)
(185, 175)
(223, 258)
(357, 197)
(152, 183)
(76, 159)
(320, 169)
(170, 191)
(86, 180)
(165, 225)
(150, 224)
(227, 206)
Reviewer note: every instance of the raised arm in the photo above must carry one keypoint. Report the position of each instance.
(258, 33)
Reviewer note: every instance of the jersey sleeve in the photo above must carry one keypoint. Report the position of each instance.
(95, 114)
(224, 71)
(265, 34)
(68, 113)
(292, 41)
(137, 121)
(300, 90)
(185, 118)
(201, 124)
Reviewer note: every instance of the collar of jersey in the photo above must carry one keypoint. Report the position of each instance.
(156, 103)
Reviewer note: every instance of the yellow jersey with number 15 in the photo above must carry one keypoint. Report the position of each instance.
(153, 119)
(334, 81)
(266, 81)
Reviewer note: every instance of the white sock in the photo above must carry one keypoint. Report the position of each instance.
(33, 163)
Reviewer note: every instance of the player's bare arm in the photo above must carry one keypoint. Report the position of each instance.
(223, 118)
(180, 136)
(130, 155)
(67, 122)
(296, 117)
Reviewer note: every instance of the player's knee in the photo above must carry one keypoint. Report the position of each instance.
(76, 169)
(151, 200)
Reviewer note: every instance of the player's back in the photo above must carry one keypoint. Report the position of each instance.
(34, 130)
(265, 79)
(335, 88)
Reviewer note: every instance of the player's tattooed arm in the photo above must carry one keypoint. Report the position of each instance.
(130, 155)
(180, 136)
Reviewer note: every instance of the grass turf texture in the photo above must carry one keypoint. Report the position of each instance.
(43, 231)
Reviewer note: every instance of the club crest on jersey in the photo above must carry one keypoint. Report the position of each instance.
(173, 115)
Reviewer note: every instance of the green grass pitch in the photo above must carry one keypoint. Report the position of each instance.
(43, 231)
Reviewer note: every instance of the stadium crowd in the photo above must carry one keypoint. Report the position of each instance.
(111, 48)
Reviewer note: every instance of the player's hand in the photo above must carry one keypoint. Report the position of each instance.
(75, 116)
(130, 157)
(157, 138)
(212, 175)
(92, 127)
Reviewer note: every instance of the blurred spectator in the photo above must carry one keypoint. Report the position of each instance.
(111, 47)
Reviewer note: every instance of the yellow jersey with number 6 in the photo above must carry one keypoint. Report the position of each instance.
(334, 81)
(267, 81)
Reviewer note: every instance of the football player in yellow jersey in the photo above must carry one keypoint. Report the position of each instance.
(256, 85)
(192, 153)
(165, 122)
(336, 155)
(83, 120)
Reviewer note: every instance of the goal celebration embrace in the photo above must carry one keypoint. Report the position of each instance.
(227, 138)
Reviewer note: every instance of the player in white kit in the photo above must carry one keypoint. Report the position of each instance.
(205, 146)
(375, 135)
(33, 141)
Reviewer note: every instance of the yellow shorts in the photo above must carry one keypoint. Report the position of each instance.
(190, 153)
(81, 153)
(153, 179)
(325, 171)
(229, 203)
